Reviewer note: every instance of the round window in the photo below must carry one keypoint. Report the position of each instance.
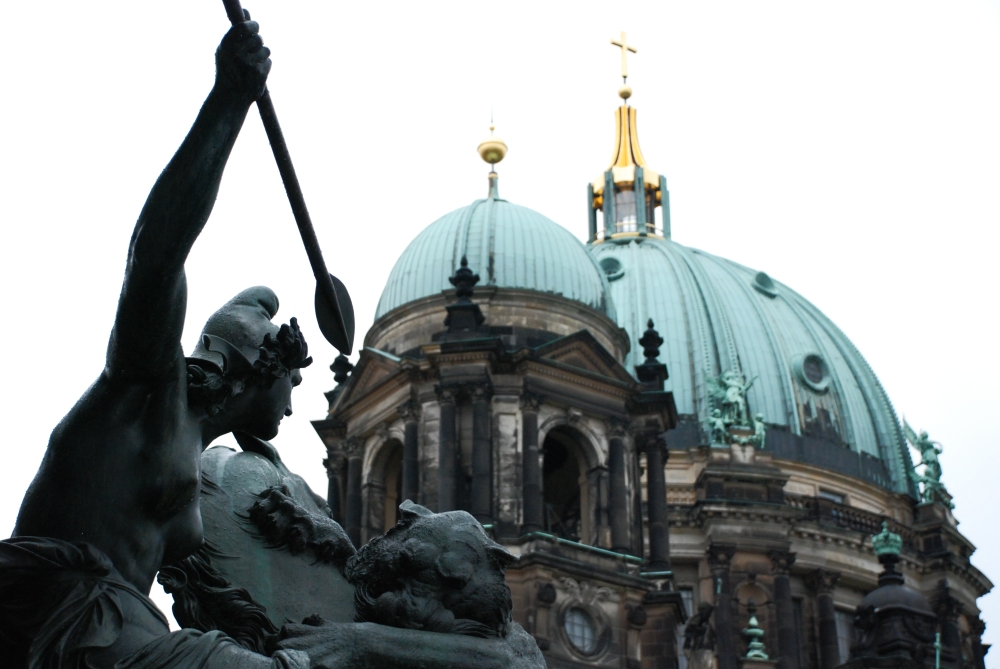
(763, 284)
(812, 371)
(581, 630)
(612, 268)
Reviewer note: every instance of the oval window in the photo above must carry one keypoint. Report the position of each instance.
(581, 630)
(612, 268)
(812, 371)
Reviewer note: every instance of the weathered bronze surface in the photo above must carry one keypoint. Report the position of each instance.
(126, 489)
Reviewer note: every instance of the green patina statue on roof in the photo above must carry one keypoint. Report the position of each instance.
(931, 487)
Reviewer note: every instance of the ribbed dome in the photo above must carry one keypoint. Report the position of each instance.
(715, 315)
(508, 246)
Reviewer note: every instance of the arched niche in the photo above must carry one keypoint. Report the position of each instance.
(382, 487)
(567, 484)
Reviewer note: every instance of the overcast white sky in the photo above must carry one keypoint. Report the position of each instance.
(850, 149)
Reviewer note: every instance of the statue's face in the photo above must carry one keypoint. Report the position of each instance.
(261, 409)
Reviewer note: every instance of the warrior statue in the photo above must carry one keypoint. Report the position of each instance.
(929, 452)
(727, 394)
(117, 495)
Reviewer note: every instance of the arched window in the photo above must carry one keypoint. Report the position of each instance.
(565, 487)
(393, 481)
(381, 492)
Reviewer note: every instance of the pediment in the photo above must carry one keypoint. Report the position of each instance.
(373, 367)
(582, 351)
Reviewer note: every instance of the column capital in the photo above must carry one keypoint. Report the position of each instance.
(409, 411)
(333, 462)
(781, 562)
(617, 427)
(481, 392)
(354, 447)
(822, 581)
(720, 555)
(650, 439)
(446, 394)
(531, 401)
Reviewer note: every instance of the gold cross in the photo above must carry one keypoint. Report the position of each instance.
(625, 47)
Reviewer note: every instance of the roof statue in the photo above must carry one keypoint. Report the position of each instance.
(728, 393)
(931, 487)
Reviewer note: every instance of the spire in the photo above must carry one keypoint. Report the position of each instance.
(628, 192)
(492, 150)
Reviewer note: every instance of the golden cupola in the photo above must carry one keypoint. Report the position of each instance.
(628, 192)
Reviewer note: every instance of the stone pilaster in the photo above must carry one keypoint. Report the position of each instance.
(822, 582)
(618, 498)
(482, 456)
(410, 413)
(354, 448)
(334, 464)
(719, 558)
(656, 502)
(788, 642)
(531, 491)
(447, 453)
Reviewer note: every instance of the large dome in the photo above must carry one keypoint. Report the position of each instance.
(716, 315)
(508, 246)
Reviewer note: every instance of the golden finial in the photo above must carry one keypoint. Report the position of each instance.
(492, 149)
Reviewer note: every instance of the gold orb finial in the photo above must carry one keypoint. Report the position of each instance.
(492, 149)
(625, 92)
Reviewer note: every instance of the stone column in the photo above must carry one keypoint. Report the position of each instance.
(719, 557)
(531, 470)
(788, 642)
(334, 464)
(482, 456)
(948, 610)
(618, 500)
(354, 450)
(656, 504)
(410, 413)
(447, 452)
(822, 583)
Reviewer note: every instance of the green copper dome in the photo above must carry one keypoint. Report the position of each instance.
(716, 315)
(508, 246)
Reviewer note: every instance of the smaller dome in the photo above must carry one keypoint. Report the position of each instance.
(509, 246)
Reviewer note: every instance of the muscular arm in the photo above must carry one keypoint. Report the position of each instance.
(145, 341)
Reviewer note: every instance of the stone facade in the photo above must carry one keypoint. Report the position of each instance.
(622, 526)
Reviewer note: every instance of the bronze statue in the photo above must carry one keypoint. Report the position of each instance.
(117, 496)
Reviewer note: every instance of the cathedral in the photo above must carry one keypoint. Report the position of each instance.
(694, 465)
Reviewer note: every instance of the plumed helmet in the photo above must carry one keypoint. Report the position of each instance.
(242, 323)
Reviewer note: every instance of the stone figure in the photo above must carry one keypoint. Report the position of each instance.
(434, 571)
(718, 427)
(699, 639)
(727, 395)
(929, 452)
(759, 432)
(273, 556)
(118, 493)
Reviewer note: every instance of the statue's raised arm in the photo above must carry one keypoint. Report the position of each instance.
(145, 341)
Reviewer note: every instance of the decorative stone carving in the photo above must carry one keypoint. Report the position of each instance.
(354, 447)
(408, 411)
(531, 401)
(781, 562)
(754, 635)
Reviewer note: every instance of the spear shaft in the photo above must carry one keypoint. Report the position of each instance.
(328, 305)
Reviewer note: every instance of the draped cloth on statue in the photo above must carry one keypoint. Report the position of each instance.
(62, 604)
